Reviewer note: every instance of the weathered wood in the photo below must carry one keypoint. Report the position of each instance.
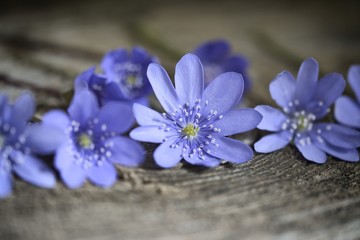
(274, 196)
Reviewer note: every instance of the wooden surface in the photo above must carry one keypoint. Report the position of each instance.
(44, 45)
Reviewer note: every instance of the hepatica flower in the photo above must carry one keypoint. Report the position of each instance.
(216, 58)
(93, 141)
(19, 141)
(305, 102)
(196, 121)
(126, 73)
(347, 111)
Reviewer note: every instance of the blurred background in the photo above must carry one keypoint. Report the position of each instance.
(44, 45)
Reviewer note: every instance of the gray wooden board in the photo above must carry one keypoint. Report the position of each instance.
(273, 196)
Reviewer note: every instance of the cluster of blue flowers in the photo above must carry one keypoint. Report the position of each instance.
(199, 114)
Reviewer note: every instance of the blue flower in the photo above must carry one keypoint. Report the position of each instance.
(19, 141)
(304, 103)
(126, 73)
(195, 121)
(216, 58)
(347, 111)
(92, 144)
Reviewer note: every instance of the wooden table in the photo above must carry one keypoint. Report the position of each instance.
(44, 45)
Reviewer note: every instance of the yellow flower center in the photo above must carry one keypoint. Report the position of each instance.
(85, 140)
(190, 130)
(131, 80)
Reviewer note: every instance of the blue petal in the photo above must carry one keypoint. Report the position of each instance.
(213, 51)
(5, 184)
(116, 116)
(142, 100)
(112, 58)
(311, 152)
(73, 176)
(208, 161)
(238, 64)
(150, 134)
(230, 150)
(238, 121)
(230, 82)
(354, 80)
(111, 92)
(306, 83)
(35, 172)
(189, 79)
(282, 89)
(44, 139)
(351, 155)
(83, 107)
(146, 116)
(337, 135)
(163, 88)
(273, 142)
(64, 157)
(57, 119)
(347, 112)
(328, 90)
(126, 152)
(23, 109)
(167, 157)
(82, 80)
(272, 118)
(102, 176)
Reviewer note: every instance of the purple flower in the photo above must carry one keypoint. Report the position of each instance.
(93, 143)
(304, 103)
(347, 111)
(19, 141)
(126, 73)
(195, 121)
(216, 58)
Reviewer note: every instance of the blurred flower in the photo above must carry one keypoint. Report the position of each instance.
(216, 58)
(19, 141)
(195, 121)
(126, 73)
(304, 103)
(347, 111)
(93, 142)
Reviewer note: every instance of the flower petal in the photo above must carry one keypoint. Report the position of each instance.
(208, 161)
(150, 134)
(189, 79)
(104, 175)
(146, 116)
(34, 171)
(5, 184)
(73, 176)
(347, 112)
(238, 121)
(44, 139)
(163, 88)
(306, 83)
(311, 152)
(113, 57)
(56, 118)
(351, 155)
(213, 51)
(230, 82)
(116, 117)
(282, 89)
(83, 107)
(354, 80)
(126, 152)
(64, 158)
(230, 150)
(22, 110)
(272, 118)
(273, 142)
(337, 135)
(166, 156)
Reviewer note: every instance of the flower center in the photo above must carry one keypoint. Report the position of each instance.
(85, 141)
(131, 80)
(190, 130)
